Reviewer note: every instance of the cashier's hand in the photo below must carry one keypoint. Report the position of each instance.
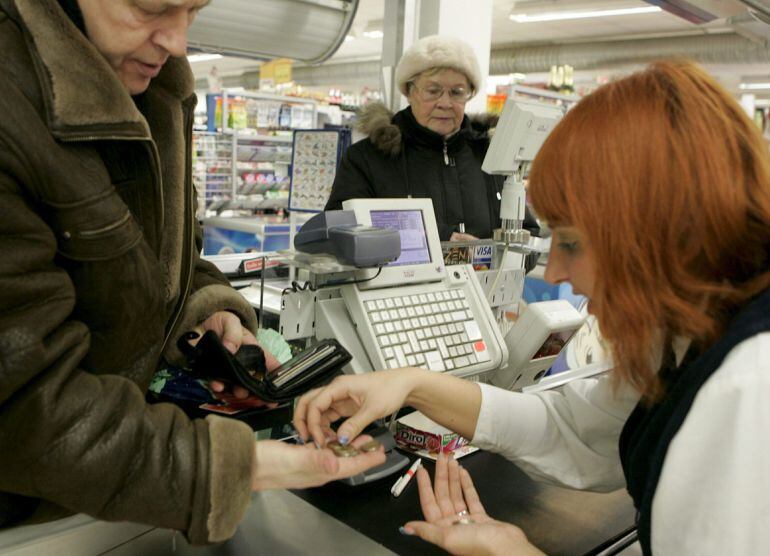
(456, 521)
(363, 398)
(282, 465)
(228, 326)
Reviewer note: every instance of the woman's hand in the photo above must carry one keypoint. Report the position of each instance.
(362, 398)
(228, 327)
(456, 521)
(282, 465)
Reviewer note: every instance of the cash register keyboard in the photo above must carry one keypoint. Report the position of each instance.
(435, 330)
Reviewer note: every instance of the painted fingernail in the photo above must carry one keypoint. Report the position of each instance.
(343, 439)
(404, 531)
(300, 440)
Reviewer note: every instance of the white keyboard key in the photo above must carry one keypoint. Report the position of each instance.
(389, 327)
(395, 340)
(392, 364)
(432, 320)
(400, 357)
(389, 303)
(412, 338)
(443, 349)
(420, 357)
(375, 317)
(398, 302)
(393, 313)
(402, 337)
(420, 333)
(462, 361)
(472, 330)
(384, 341)
(431, 297)
(411, 312)
(402, 313)
(388, 353)
(411, 360)
(379, 328)
(458, 316)
(433, 361)
(423, 298)
(370, 305)
(449, 364)
(380, 304)
(420, 310)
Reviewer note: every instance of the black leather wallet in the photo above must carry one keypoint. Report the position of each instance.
(318, 363)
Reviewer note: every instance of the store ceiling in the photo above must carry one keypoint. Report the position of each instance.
(509, 33)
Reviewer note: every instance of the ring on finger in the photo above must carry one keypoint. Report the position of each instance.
(462, 513)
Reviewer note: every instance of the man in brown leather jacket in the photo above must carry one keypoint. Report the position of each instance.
(100, 274)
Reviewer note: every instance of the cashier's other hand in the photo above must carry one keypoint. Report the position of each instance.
(283, 465)
(459, 236)
(228, 326)
(456, 520)
(363, 398)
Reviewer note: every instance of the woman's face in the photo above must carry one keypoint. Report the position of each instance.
(570, 260)
(438, 101)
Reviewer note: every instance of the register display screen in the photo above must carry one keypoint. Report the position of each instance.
(411, 228)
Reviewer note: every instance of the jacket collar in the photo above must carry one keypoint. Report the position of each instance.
(83, 95)
(413, 131)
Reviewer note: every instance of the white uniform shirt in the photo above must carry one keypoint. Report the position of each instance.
(713, 496)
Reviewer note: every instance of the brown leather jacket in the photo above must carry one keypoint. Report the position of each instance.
(99, 274)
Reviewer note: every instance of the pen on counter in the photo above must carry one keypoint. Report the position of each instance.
(401, 483)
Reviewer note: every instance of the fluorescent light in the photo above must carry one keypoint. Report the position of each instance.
(349, 38)
(753, 86)
(192, 58)
(558, 16)
(376, 34)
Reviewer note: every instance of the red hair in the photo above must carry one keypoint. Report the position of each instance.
(670, 182)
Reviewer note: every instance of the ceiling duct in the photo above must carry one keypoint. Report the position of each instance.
(306, 30)
(750, 18)
(727, 48)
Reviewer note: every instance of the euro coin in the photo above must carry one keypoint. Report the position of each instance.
(371, 446)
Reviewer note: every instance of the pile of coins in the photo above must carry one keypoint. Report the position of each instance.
(348, 450)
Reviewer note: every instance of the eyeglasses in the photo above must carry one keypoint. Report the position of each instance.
(435, 92)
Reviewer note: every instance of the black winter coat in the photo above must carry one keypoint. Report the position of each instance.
(400, 158)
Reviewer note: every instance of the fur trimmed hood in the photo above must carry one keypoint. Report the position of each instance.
(375, 120)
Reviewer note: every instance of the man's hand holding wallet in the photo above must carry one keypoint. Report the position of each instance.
(247, 367)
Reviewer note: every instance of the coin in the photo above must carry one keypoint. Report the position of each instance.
(344, 451)
(371, 446)
(333, 444)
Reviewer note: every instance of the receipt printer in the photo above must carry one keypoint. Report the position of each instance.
(337, 233)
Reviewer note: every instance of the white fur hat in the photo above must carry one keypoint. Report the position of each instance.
(438, 51)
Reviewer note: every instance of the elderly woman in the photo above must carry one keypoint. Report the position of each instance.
(431, 148)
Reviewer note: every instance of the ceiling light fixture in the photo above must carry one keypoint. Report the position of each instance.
(559, 16)
(204, 57)
(375, 34)
(753, 86)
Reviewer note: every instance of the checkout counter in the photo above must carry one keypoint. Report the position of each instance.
(358, 520)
